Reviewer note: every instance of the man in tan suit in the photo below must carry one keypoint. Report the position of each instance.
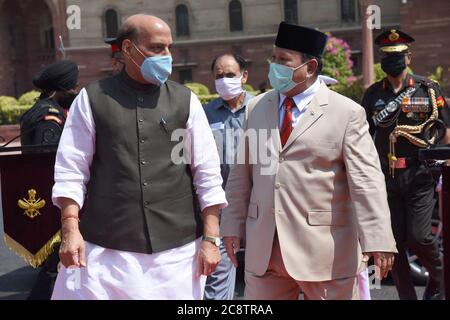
(307, 193)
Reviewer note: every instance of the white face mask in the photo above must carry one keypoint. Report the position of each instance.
(229, 88)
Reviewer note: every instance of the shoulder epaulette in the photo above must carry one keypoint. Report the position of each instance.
(425, 81)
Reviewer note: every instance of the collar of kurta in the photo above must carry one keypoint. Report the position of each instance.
(130, 82)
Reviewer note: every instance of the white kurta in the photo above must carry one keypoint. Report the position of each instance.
(113, 274)
(120, 275)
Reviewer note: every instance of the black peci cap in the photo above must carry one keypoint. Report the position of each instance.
(302, 39)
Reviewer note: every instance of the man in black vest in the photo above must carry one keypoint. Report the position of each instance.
(121, 159)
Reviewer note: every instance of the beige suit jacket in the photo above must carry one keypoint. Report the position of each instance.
(324, 192)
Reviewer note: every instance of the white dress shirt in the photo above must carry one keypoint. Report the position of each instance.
(77, 147)
(302, 100)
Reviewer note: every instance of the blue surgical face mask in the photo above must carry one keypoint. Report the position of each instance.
(156, 69)
(281, 77)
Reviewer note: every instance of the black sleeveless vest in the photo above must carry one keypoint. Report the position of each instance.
(138, 200)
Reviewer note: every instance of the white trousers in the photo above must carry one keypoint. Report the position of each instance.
(120, 275)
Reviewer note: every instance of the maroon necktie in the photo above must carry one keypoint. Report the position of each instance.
(286, 127)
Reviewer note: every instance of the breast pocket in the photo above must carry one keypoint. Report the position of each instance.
(323, 148)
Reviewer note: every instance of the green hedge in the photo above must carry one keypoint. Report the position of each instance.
(248, 87)
(12, 114)
(12, 109)
(204, 99)
(8, 101)
(198, 88)
(29, 98)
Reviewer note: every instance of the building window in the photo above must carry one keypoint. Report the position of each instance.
(348, 12)
(185, 75)
(235, 12)
(49, 39)
(291, 11)
(111, 23)
(46, 31)
(182, 20)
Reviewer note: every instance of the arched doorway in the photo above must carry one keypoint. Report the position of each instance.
(26, 43)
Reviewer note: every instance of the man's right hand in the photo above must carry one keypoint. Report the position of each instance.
(232, 245)
(72, 250)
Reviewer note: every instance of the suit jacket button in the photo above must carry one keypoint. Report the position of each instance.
(277, 185)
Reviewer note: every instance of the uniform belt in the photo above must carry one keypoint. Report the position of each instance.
(406, 162)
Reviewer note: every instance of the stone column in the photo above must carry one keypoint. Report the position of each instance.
(367, 46)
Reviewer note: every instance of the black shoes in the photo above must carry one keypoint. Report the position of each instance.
(434, 290)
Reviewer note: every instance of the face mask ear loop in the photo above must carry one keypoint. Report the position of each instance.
(135, 46)
(129, 56)
(301, 82)
(295, 69)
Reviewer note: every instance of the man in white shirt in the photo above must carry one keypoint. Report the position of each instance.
(138, 235)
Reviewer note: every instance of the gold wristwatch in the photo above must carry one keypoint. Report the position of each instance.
(214, 240)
